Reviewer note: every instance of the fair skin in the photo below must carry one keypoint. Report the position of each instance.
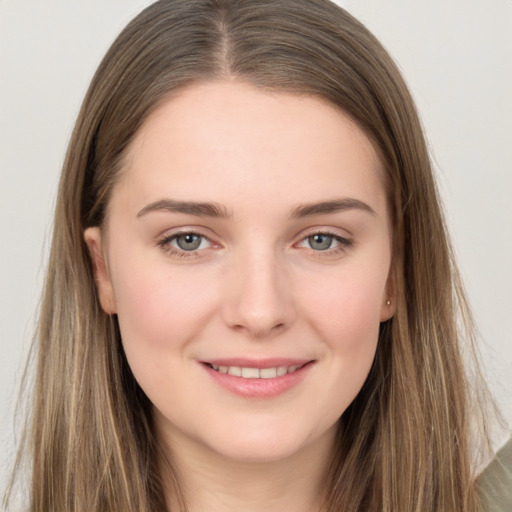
(249, 232)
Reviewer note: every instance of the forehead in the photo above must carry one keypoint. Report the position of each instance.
(233, 140)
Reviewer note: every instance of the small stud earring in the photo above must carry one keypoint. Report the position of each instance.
(388, 303)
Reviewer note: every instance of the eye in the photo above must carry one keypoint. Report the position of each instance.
(189, 241)
(325, 242)
(185, 243)
(320, 241)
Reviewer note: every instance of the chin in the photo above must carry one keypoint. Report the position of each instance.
(267, 443)
(250, 453)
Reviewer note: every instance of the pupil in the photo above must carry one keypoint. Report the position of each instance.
(188, 242)
(320, 242)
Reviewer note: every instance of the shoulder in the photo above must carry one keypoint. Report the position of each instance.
(495, 482)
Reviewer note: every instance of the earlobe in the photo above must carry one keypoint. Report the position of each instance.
(388, 307)
(388, 310)
(93, 239)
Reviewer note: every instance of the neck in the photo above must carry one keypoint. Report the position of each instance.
(213, 483)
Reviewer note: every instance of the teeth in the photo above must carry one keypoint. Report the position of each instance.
(268, 373)
(250, 373)
(255, 373)
(235, 370)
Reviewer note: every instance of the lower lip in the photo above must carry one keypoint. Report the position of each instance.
(259, 388)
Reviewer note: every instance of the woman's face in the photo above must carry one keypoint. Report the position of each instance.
(246, 253)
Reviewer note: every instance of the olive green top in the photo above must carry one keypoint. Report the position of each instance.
(495, 482)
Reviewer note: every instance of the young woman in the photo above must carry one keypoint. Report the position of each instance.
(251, 300)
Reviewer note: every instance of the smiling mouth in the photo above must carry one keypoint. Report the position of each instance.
(255, 373)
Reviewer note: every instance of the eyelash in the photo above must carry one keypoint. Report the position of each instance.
(343, 243)
(165, 244)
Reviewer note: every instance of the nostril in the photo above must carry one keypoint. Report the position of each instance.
(259, 330)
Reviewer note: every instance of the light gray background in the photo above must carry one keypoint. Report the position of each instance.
(456, 56)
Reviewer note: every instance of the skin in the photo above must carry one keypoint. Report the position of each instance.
(256, 287)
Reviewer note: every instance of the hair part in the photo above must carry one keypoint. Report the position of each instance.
(404, 442)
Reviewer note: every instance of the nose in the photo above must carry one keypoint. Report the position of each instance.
(259, 298)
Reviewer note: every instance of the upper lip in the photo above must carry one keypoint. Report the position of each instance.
(244, 362)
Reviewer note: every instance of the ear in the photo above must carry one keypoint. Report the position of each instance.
(388, 307)
(93, 239)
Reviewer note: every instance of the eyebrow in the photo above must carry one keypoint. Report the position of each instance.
(331, 206)
(215, 210)
(198, 209)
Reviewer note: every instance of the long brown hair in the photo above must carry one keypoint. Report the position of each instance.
(403, 443)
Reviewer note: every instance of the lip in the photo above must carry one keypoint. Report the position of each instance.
(257, 363)
(258, 388)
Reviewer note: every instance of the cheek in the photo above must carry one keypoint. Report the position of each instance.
(159, 311)
(345, 314)
(348, 306)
